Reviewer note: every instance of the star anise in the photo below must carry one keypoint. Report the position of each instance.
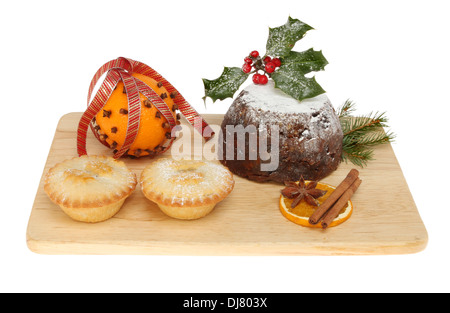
(301, 191)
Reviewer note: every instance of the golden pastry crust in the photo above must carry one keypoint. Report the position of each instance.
(84, 186)
(186, 189)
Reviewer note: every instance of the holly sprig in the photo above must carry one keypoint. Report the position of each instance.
(285, 67)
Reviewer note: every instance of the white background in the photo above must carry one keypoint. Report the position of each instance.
(389, 56)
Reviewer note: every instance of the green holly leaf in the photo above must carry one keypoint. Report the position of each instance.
(294, 83)
(283, 38)
(290, 77)
(304, 62)
(226, 85)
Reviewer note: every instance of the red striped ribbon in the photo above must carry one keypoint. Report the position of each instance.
(134, 112)
(121, 69)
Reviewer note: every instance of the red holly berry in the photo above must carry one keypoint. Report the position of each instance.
(248, 60)
(263, 79)
(270, 67)
(267, 59)
(246, 68)
(254, 53)
(256, 78)
(277, 62)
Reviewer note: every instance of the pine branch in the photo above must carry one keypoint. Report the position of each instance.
(358, 157)
(370, 139)
(361, 133)
(346, 109)
(363, 124)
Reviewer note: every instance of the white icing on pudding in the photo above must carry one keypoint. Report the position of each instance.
(268, 98)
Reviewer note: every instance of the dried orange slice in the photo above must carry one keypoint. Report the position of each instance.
(301, 213)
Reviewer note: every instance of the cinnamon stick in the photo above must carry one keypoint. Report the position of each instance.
(337, 207)
(334, 196)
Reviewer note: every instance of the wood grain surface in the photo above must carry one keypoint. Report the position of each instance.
(248, 222)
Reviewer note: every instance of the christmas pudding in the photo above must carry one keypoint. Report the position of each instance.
(309, 134)
(283, 126)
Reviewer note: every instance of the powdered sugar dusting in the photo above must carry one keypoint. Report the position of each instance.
(186, 181)
(268, 98)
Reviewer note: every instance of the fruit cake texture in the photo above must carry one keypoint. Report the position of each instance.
(310, 134)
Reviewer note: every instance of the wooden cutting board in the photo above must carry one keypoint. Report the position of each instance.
(248, 222)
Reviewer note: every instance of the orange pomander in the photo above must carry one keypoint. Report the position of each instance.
(135, 110)
(154, 129)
